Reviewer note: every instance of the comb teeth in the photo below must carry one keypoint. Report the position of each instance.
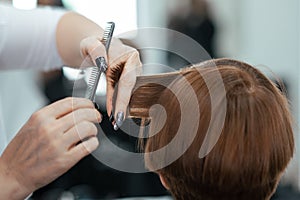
(100, 62)
(92, 83)
(108, 34)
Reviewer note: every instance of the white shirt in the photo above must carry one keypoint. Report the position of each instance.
(27, 41)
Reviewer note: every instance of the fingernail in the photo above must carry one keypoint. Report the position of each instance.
(119, 120)
(116, 127)
(99, 116)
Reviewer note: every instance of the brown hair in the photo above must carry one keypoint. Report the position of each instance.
(256, 140)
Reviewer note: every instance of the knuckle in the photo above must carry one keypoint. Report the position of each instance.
(45, 129)
(84, 150)
(52, 146)
(77, 115)
(69, 99)
(135, 53)
(81, 102)
(37, 117)
(95, 44)
(97, 143)
(90, 145)
(100, 47)
(92, 129)
(85, 114)
(62, 163)
(68, 102)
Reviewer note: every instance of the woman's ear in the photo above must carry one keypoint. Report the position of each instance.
(164, 182)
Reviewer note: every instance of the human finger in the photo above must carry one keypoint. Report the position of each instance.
(65, 106)
(79, 132)
(72, 119)
(125, 77)
(83, 149)
(127, 80)
(92, 48)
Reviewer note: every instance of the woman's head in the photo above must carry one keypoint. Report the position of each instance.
(253, 148)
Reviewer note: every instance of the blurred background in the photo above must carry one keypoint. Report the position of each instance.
(264, 33)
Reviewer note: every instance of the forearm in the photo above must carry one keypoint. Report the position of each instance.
(10, 188)
(71, 30)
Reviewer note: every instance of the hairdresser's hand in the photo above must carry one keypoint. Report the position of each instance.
(124, 66)
(47, 146)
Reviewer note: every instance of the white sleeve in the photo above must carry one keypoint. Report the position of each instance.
(28, 38)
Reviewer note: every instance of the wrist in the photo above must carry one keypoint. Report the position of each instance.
(10, 187)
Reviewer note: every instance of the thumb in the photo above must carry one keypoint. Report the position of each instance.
(92, 48)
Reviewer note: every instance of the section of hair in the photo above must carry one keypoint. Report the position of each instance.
(147, 91)
(255, 145)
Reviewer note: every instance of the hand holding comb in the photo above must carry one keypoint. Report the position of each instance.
(101, 65)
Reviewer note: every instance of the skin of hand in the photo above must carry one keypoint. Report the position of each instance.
(48, 145)
(124, 63)
(124, 66)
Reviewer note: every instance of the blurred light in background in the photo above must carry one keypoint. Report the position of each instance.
(123, 13)
(25, 4)
(71, 73)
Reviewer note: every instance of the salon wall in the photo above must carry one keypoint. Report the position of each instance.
(271, 38)
(266, 34)
(19, 99)
(151, 13)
